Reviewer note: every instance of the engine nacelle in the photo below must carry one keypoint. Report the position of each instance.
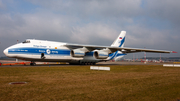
(101, 54)
(77, 53)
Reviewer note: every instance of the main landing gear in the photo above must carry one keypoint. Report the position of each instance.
(87, 63)
(83, 63)
(32, 63)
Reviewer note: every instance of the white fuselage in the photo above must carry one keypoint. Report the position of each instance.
(49, 51)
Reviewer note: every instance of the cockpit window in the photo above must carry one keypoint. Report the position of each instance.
(27, 41)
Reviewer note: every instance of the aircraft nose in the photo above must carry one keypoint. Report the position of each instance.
(6, 51)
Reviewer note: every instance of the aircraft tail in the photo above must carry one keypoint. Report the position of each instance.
(119, 42)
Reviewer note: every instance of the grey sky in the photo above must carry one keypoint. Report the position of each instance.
(149, 23)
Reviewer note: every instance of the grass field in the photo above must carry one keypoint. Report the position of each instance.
(123, 83)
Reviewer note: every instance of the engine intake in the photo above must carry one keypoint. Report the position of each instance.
(101, 54)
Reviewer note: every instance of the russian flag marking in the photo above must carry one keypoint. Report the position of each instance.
(174, 52)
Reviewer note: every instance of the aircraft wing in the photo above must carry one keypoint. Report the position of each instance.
(133, 50)
(113, 49)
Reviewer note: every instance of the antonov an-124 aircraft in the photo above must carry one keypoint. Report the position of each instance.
(50, 51)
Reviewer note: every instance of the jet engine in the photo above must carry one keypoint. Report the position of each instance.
(101, 54)
(77, 53)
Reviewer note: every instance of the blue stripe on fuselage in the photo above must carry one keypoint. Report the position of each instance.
(39, 51)
(89, 54)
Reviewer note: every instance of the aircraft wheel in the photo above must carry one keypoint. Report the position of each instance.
(82, 63)
(32, 63)
(71, 63)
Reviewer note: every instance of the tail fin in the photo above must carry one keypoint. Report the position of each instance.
(119, 42)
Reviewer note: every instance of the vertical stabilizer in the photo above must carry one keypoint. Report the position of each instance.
(119, 42)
